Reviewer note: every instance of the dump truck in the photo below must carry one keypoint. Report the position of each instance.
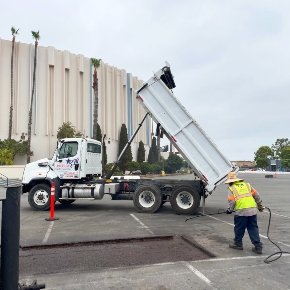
(76, 166)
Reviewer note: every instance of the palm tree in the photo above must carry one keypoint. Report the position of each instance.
(36, 37)
(14, 32)
(96, 63)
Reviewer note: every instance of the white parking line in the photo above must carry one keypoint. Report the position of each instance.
(142, 224)
(262, 236)
(48, 232)
(212, 217)
(198, 274)
(284, 244)
(285, 216)
(231, 258)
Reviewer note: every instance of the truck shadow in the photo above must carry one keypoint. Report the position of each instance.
(123, 206)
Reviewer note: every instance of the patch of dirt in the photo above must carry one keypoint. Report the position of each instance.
(108, 254)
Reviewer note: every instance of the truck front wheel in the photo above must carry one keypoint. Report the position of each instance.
(147, 198)
(39, 197)
(184, 200)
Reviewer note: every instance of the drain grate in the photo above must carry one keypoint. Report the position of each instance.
(86, 256)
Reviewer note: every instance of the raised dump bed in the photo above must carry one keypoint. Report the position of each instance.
(207, 161)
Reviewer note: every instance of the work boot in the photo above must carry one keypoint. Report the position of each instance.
(233, 245)
(257, 250)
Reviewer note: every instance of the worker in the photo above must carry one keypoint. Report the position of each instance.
(244, 201)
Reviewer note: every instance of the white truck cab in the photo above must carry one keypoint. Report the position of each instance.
(77, 158)
(74, 159)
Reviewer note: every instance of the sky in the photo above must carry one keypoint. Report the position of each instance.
(230, 59)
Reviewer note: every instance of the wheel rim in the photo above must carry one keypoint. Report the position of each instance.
(41, 197)
(184, 200)
(147, 199)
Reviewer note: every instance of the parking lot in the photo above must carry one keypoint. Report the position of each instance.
(106, 220)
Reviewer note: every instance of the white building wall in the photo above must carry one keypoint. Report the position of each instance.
(113, 108)
(64, 93)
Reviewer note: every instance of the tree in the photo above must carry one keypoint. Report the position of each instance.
(14, 32)
(141, 153)
(133, 166)
(145, 167)
(99, 133)
(6, 156)
(127, 156)
(15, 147)
(285, 157)
(104, 148)
(262, 155)
(173, 163)
(101, 138)
(104, 153)
(96, 63)
(66, 130)
(279, 145)
(36, 37)
(108, 168)
(153, 152)
(156, 167)
(79, 134)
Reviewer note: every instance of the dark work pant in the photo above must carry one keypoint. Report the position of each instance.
(250, 223)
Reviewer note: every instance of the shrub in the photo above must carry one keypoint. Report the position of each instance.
(145, 167)
(108, 167)
(155, 168)
(6, 156)
(173, 163)
(133, 165)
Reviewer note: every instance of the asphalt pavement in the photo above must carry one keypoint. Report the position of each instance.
(107, 220)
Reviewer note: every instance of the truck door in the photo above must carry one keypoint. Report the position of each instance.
(67, 164)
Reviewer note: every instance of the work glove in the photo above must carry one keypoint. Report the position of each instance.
(228, 211)
(260, 206)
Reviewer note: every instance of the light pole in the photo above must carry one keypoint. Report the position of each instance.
(103, 156)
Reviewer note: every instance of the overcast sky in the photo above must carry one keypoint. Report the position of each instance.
(230, 59)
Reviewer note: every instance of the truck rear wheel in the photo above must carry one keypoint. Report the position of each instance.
(147, 198)
(184, 200)
(39, 197)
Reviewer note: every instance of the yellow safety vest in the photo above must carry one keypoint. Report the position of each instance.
(243, 196)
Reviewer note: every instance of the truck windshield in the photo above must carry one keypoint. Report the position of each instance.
(68, 149)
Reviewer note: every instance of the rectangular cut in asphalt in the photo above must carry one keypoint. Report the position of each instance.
(108, 254)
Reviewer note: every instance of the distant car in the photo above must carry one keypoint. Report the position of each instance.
(136, 172)
(183, 170)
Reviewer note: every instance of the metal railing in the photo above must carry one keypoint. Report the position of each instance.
(9, 182)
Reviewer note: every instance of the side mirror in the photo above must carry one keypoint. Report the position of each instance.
(57, 157)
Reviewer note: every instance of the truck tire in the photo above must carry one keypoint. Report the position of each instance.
(185, 200)
(147, 198)
(39, 197)
(66, 201)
